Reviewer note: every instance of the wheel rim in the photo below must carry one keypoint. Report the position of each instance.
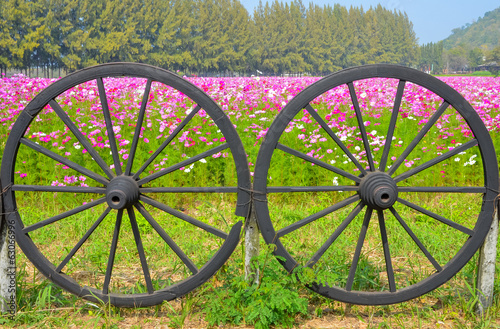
(119, 173)
(370, 175)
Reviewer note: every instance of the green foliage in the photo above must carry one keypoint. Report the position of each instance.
(481, 74)
(457, 58)
(475, 57)
(494, 54)
(494, 58)
(431, 57)
(291, 38)
(274, 300)
(200, 36)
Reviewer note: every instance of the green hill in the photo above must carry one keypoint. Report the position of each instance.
(485, 32)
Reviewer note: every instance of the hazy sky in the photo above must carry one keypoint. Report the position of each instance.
(432, 20)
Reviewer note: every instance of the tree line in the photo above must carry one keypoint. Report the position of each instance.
(201, 36)
(461, 58)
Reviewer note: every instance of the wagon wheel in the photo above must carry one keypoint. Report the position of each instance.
(112, 143)
(429, 173)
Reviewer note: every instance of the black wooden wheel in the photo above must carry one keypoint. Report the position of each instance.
(91, 173)
(339, 150)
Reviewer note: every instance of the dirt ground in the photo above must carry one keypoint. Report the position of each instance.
(343, 316)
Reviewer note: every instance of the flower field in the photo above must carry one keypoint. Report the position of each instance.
(175, 132)
(250, 103)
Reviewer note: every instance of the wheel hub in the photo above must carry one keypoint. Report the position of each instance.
(122, 192)
(378, 190)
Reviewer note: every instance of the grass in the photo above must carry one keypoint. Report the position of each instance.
(279, 300)
(472, 74)
(43, 305)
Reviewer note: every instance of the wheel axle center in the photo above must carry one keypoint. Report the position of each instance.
(122, 192)
(378, 190)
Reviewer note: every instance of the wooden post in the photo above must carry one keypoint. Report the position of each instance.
(7, 263)
(486, 267)
(251, 247)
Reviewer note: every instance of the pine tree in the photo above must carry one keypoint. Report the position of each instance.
(25, 29)
(236, 27)
(6, 40)
(81, 42)
(208, 41)
(406, 41)
(173, 47)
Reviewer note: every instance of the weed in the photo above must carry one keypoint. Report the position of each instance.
(187, 305)
(275, 300)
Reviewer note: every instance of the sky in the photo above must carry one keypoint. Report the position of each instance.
(432, 20)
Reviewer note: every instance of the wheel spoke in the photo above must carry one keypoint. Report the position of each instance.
(82, 139)
(140, 250)
(387, 252)
(112, 253)
(416, 240)
(181, 164)
(325, 126)
(361, 125)
(322, 164)
(419, 137)
(63, 215)
(193, 189)
(82, 240)
(109, 126)
(123, 182)
(170, 242)
(63, 160)
(62, 189)
(446, 221)
(315, 258)
(137, 133)
(290, 228)
(357, 252)
(184, 217)
(392, 125)
(167, 141)
(286, 189)
(386, 186)
(436, 160)
(443, 189)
